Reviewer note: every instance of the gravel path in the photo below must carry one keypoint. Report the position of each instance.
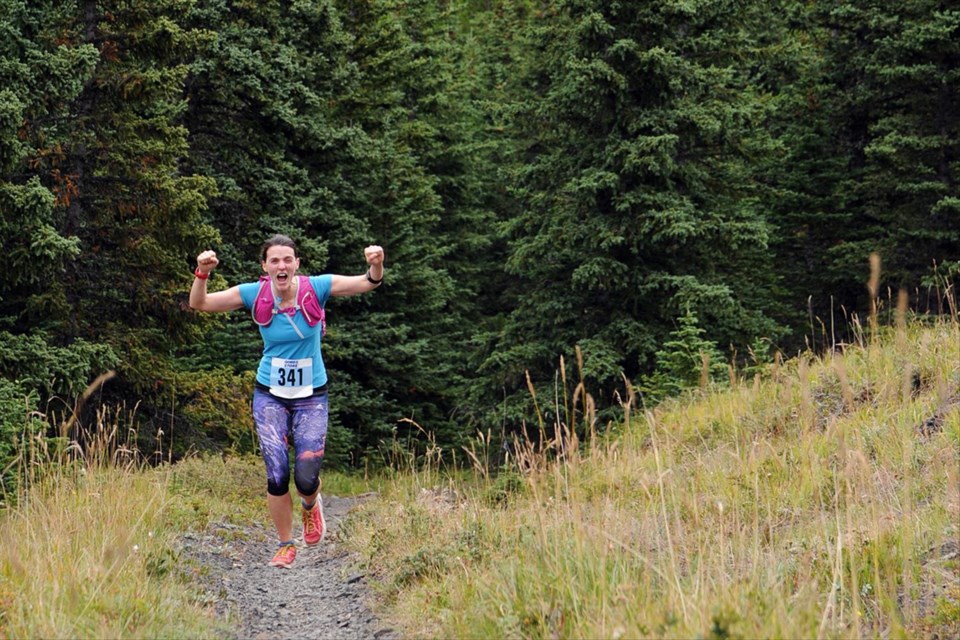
(321, 596)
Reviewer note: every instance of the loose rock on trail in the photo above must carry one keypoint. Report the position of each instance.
(319, 597)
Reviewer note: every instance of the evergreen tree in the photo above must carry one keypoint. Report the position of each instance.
(684, 362)
(872, 137)
(903, 126)
(262, 123)
(341, 131)
(92, 100)
(639, 194)
(802, 175)
(400, 103)
(496, 41)
(41, 78)
(42, 73)
(135, 214)
(544, 176)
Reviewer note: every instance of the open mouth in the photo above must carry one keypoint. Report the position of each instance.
(283, 277)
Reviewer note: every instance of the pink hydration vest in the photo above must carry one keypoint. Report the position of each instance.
(265, 308)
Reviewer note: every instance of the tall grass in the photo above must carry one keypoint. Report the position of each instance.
(90, 535)
(821, 499)
(86, 546)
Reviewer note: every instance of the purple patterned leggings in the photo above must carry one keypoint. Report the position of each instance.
(277, 419)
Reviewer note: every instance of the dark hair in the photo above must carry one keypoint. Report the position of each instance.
(278, 240)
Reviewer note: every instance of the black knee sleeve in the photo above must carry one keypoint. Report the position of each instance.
(281, 488)
(306, 475)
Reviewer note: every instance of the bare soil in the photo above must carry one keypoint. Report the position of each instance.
(322, 596)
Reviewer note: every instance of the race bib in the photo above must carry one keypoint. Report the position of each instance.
(291, 378)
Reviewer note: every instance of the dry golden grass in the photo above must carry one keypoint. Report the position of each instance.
(87, 549)
(87, 554)
(89, 544)
(819, 500)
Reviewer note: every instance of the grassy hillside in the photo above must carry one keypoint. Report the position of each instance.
(91, 548)
(90, 553)
(820, 499)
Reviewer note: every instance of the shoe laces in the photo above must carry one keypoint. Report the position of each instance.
(311, 520)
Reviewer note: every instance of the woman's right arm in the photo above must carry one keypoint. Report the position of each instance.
(200, 300)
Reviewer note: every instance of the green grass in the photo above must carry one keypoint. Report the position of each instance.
(87, 553)
(820, 499)
(233, 490)
(803, 503)
(90, 549)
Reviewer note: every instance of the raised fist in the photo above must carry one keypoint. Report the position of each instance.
(207, 261)
(374, 255)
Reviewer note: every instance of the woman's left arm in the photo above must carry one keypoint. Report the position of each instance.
(353, 285)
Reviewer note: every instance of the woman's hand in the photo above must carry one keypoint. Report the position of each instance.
(374, 255)
(207, 261)
(221, 300)
(353, 285)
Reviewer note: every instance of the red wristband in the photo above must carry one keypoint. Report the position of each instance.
(200, 274)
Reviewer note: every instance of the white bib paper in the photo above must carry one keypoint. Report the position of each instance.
(291, 378)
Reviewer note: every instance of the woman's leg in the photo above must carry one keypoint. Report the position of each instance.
(281, 512)
(309, 439)
(272, 419)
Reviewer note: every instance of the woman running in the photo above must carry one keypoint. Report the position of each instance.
(290, 397)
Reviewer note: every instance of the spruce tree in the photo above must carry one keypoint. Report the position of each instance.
(872, 141)
(336, 126)
(41, 77)
(136, 214)
(639, 193)
(94, 98)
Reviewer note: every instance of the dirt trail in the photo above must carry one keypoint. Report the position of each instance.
(321, 596)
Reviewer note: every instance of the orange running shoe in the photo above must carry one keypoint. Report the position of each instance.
(314, 526)
(284, 556)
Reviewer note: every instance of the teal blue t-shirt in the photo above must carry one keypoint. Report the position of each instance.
(281, 341)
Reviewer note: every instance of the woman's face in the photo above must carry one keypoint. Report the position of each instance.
(281, 265)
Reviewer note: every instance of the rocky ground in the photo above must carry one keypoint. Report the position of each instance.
(321, 596)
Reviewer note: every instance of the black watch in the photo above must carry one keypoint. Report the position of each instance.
(371, 280)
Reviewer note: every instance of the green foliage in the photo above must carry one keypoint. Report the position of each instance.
(40, 79)
(422, 180)
(214, 407)
(265, 124)
(135, 214)
(101, 215)
(682, 362)
(507, 484)
(545, 177)
(640, 196)
(38, 365)
(18, 422)
(34, 250)
(871, 139)
(349, 131)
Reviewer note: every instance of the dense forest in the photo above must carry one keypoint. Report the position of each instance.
(638, 192)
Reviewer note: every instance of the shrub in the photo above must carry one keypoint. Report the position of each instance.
(18, 418)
